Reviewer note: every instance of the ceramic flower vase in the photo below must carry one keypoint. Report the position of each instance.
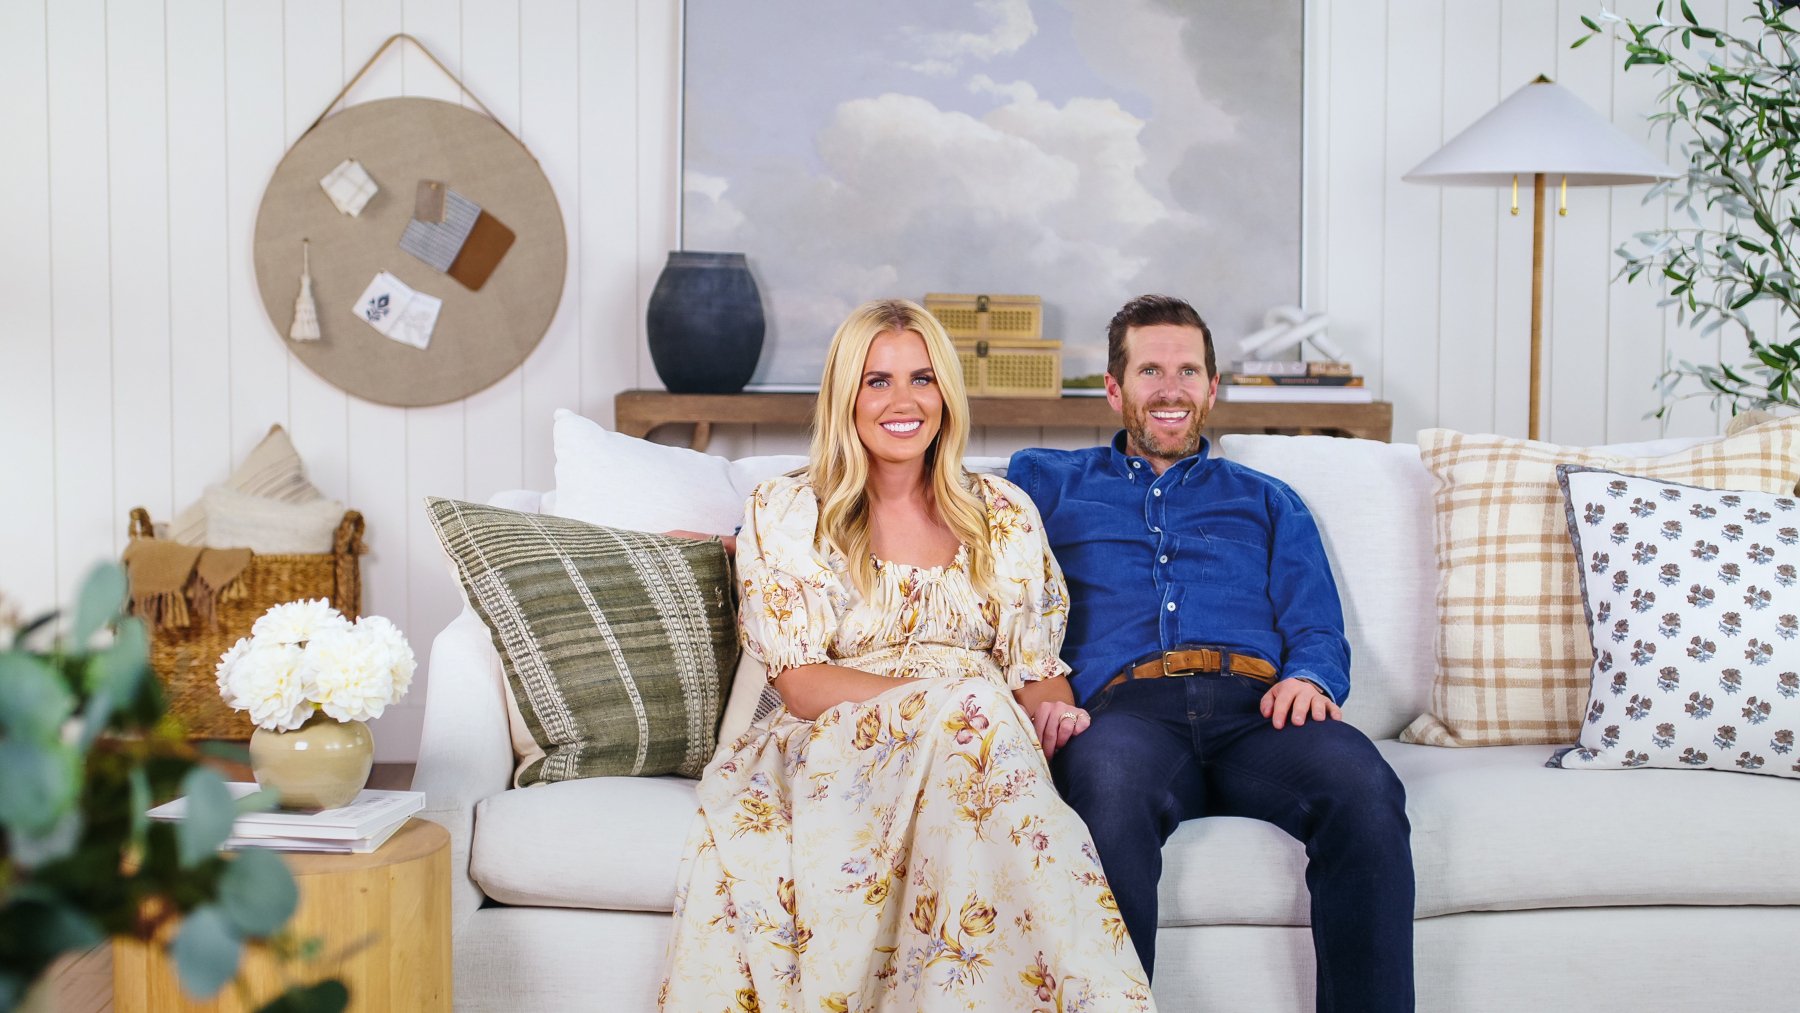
(320, 765)
(705, 323)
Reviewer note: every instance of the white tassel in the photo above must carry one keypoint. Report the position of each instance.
(306, 315)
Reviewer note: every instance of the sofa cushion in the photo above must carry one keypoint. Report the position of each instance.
(617, 645)
(1493, 829)
(1513, 651)
(1379, 545)
(1706, 674)
(601, 842)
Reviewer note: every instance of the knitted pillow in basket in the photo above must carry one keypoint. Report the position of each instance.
(272, 470)
(618, 646)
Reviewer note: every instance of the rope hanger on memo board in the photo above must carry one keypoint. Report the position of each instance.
(403, 203)
(429, 55)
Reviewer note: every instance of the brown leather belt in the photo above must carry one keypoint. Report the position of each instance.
(1193, 660)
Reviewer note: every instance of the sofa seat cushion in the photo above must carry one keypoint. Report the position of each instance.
(1493, 829)
(601, 842)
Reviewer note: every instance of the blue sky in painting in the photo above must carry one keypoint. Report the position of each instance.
(1081, 150)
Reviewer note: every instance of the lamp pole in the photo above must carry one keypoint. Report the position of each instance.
(1537, 299)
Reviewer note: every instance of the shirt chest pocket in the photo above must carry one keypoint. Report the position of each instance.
(1235, 552)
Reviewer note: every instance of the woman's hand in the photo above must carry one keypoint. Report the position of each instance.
(1056, 723)
(1050, 704)
(729, 541)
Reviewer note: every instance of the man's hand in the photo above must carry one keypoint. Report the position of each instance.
(1056, 722)
(1296, 699)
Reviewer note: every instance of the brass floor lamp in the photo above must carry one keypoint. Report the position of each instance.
(1541, 131)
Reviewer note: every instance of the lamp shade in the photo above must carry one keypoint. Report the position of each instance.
(1543, 128)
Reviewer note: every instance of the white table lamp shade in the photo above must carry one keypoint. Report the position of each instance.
(1543, 128)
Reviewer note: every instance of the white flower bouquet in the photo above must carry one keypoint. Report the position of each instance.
(304, 656)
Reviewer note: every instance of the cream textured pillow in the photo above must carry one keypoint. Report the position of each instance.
(236, 520)
(1513, 652)
(272, 470)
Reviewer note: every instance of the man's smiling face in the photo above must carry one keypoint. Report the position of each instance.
(1165, 394)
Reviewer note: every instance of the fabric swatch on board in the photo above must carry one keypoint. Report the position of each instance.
(488, 241)
(438, 243)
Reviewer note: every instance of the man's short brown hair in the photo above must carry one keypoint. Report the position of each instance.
(1148, 311)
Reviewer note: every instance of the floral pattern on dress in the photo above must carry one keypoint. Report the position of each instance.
(908, 852)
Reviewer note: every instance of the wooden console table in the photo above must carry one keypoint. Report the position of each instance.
(637, 412)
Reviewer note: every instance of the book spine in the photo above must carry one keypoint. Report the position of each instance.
(1329, 369)
(1238, 380)
(1270, 367)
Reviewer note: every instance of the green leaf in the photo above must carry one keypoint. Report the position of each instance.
(206, 952)
(210, 812)
(120, 668)
(138, 783)
(40, 783)
(324, 997)
(257, 893)
(34, 850)
(34, 700)
(102, 597)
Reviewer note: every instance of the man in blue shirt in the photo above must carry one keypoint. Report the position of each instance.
(1207, 643)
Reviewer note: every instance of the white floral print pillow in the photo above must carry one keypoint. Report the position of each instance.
(1693, 607)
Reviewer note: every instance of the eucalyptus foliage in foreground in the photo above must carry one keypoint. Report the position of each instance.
(85, 750)
(1734, 98)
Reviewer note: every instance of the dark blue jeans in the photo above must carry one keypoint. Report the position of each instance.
(1161, 751)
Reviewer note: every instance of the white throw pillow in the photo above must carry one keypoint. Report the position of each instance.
(1694, 616)
(272, 469)
(1372, 502)
(619, 481)
(236, 520)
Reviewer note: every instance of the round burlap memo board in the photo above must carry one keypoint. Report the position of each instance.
(480, 335)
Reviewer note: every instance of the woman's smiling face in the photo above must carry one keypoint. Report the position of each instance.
(899, 408)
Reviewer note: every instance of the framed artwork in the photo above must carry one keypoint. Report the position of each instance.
(1085, 151)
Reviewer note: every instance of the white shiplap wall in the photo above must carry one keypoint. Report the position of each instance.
(137, 363)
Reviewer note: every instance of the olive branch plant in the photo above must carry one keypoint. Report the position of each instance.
(1733, 99)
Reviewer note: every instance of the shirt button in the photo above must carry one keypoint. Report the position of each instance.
(1137, 464)
(1171, 606)
(1156, 492)
(1162, 559)
(1156, 531)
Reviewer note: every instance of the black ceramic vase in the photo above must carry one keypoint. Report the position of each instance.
(705, 323)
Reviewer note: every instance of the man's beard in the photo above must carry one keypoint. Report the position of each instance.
(1172, 446)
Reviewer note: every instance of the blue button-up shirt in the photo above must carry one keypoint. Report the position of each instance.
(1209, 552)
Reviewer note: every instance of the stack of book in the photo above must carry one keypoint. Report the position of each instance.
(1286, 381)
(354, 829)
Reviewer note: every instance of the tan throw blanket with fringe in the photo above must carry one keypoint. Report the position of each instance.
(172, 584)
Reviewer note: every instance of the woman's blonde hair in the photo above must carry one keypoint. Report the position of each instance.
(839, 466)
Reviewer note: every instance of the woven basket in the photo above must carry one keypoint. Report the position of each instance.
(184, 659)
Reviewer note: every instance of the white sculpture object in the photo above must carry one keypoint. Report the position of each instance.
(1284, 328)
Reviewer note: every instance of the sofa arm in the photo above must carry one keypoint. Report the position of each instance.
(465, 753)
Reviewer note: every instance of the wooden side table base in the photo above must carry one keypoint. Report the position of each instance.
(384, 919)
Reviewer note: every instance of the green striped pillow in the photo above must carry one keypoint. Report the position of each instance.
(618, 645)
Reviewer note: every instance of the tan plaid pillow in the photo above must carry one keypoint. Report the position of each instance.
(1513, 649)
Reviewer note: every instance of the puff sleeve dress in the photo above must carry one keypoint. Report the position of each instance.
(908, 852)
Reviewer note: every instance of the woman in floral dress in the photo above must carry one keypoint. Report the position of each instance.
(890, 838)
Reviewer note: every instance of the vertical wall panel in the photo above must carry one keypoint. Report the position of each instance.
(138, 201)
(254, 142)
(493, 419)
(1356, 192)
(1469, 234)
(28, 514)
(199, 250)
(313, 66)
(87, 529)
(607, 235)
(550, 125)
(1410, 275)
(1636, 326)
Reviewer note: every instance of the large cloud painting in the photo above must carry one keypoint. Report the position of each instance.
(1085, 151)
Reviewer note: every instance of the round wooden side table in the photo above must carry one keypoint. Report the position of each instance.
(383, 919)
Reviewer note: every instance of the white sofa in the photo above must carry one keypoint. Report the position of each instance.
(1538, 889)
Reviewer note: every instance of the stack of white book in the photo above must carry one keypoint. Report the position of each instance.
(354, 829)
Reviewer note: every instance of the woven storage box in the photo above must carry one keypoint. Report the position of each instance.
(184, 658)
(1011, 367)
(988, 316)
